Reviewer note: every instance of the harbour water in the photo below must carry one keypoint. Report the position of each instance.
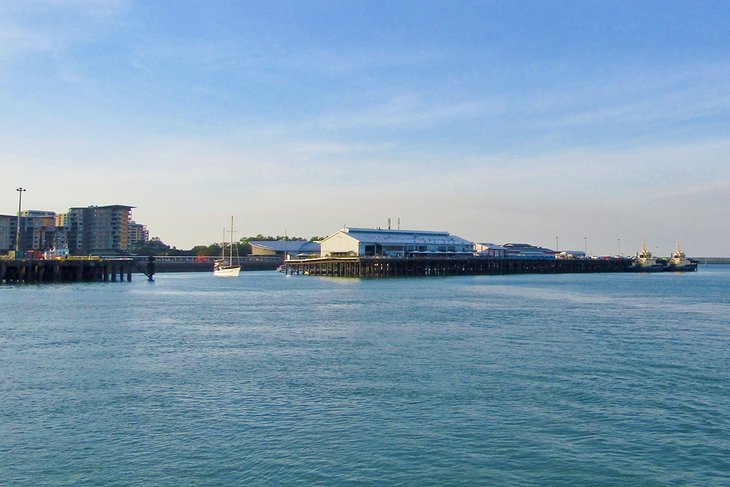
(573, 379)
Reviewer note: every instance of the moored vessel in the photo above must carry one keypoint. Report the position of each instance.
(227, 265)
(645, 261)
(679, 262)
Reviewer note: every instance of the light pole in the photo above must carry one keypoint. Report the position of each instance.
(619, 247)
(557, 247)
(585, 245)
(17, 227)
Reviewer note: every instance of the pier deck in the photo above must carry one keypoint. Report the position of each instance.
(65, 270)
(448, 266)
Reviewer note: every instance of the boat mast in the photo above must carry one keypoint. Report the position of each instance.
(223, 247)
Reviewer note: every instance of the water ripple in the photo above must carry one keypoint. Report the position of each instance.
(274, 380)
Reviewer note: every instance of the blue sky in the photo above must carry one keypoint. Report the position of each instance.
(498, 121)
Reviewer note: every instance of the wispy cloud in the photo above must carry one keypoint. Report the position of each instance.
(680, 95)
(358, 62)
(16, 39)
(628, 105)
(614, 174)
(406, 111)
(52, 25)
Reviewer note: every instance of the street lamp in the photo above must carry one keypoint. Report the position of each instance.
(557, 247)
(17, 227)
(619, 247)
(585, 245)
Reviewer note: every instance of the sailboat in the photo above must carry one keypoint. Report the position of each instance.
(225, 266)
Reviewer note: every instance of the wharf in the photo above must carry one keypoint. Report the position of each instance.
(448, 266)
(66, 270)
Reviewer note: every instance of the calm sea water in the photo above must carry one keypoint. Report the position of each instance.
(595, 379)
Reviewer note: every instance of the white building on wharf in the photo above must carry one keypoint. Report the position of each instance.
(350, 242)
(484, 249)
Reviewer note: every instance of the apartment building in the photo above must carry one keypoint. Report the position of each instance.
(137, 234)
(8, 228)
(100, 230)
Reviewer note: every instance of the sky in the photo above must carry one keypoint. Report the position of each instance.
(594, 122)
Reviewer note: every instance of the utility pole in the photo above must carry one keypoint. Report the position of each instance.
(17, 227)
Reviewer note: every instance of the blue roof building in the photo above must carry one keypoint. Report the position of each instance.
(283, 248)
(527, 251)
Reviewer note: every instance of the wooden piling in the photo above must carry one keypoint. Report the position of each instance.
(447, 266)
(64, 270)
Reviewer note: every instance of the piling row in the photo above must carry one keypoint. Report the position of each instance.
(44, 271)
(451, 266)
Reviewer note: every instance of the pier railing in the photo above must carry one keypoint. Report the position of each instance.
(189, 263)
(209, 258)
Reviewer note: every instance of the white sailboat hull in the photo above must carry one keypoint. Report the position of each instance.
(229, 271)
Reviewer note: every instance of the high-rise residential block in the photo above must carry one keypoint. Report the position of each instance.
(101, 230)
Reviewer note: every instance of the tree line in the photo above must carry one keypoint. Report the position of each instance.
(155, 246)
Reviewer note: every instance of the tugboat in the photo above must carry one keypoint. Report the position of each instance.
(645, 262)
(679, 262)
